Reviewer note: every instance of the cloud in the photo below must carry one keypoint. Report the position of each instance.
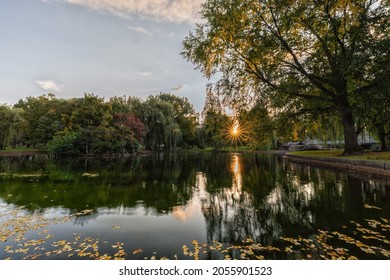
(140, 29)
(50, 85)
(159, 10)
(145, 73)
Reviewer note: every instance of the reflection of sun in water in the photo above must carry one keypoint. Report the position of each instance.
(236, 167)
(237, 177)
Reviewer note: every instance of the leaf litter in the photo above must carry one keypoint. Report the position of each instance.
(369, 239)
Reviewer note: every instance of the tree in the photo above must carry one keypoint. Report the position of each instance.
(375, 111)
(258, 127)
(158, 118)
(8, 120)
(45, 115)
(91, 116)
(216, 123)
(65, 142)
(128, 131)
(185, 118)
(216, 127)
(323, 52)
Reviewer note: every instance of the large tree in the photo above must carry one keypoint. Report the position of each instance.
(326, 53)
(184, 115)
(9, 120)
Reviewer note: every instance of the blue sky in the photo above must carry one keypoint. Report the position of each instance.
(105, 47)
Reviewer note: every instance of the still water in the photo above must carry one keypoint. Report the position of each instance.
(186, 205)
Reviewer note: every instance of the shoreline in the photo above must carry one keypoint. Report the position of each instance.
(22, 153)
(374, 169)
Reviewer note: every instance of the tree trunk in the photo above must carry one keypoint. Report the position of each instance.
(382, 137)
(350, 136)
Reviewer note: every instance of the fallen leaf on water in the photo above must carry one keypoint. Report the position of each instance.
(137, 251)
(371, 207)
(84, 212)
(85, 174)
(185, 250)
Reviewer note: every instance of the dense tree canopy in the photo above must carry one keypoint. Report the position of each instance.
(91, 125)
(10, 125)
(325, 54)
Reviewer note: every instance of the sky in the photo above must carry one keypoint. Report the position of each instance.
(105, 47)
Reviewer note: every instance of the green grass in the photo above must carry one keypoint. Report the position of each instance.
(21, 149)
(223, 149)
(382, 156)
(238, 148)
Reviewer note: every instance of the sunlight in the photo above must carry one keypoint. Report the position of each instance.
(235, 133)
(235, 130)
(193, 208)
(237, 177)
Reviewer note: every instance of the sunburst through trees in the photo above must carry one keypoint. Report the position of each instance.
(236, 133)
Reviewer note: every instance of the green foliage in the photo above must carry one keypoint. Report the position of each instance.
(91, 125)
(169, 120)
(10, 124)
(65, 142)
(375, 111)
(216, 128)
(91, 111)
(324, 54)
(258, 127)
(45, 116)
(185, 118)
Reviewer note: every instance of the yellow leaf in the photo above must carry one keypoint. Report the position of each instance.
(371, 207)
(138, 251)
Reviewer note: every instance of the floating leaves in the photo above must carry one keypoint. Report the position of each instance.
(120, 255)
(84, 212)
(367, 239)
(15, 225)
(85, 174)
(185, 250)
(137, 251)
(371, 207)
(359, 240)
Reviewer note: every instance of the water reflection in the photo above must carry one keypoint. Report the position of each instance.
(265, 204)
(181, 197)
(237, 177)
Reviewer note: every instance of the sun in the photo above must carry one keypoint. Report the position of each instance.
(235, 130)
(235, 133)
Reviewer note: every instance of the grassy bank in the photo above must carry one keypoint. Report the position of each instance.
(22, 150)
(382, 156)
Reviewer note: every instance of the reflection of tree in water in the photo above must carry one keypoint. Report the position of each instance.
(158, 183)
(268, 198)
(241, 196)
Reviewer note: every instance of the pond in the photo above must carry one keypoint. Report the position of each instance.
(197, 205)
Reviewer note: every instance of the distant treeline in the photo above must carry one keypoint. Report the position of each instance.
(124, 125)
(91, 125)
